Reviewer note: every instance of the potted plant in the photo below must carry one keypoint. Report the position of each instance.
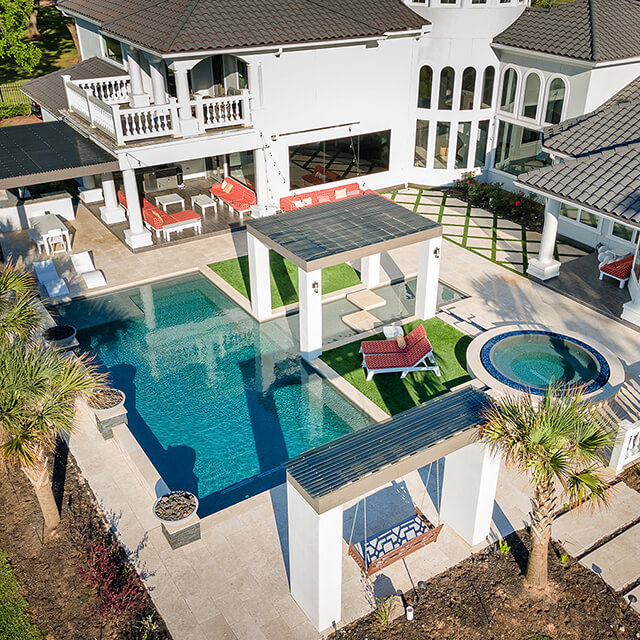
(104, 401)
(60, 336)
(175, 508)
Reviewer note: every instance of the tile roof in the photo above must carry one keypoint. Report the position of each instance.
(615, 123)
(171, 26)
(605, 182)
(592, 30)
(48, 91)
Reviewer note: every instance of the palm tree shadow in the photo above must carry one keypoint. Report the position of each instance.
(59, 473)
(519, 551)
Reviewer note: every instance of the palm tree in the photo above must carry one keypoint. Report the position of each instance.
(555, 439)
(39, 390)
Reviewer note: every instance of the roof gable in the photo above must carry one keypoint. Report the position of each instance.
(591, 30)
(172, 26)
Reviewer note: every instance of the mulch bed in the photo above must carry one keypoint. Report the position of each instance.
(485, 597)
(59, 600)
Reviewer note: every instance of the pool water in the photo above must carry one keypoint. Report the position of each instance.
(535, 359)
(216, 400)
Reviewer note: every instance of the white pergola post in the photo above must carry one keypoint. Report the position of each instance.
(310, 293)
(259, 278)
(428, 277)
(370, 271)
(545, 266)
(138, 97)
(112, 211)
(136, 235)
(469, 491)
(315, 559)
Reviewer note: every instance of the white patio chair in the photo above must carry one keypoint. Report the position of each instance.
(84, 267)
(37, 239)
(48, 277)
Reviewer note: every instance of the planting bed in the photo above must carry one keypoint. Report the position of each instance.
(486, 598)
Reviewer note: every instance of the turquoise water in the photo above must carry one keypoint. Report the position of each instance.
(217, 401)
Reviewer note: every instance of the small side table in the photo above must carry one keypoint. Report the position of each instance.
(392, 332)
(203, 201)
(169, 198)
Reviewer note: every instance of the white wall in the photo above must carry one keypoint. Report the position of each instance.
(607, 80)
(90, 39)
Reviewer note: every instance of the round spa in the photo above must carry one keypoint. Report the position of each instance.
(529, 358)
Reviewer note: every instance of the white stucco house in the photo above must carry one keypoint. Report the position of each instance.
(384, 95)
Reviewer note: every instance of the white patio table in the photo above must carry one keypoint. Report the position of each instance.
(48, 227)
(169, 198)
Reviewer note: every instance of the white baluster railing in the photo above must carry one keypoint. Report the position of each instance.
(227, 111)
(102, 116)
(115, 89)
(77, 98)
(142, 123)
(627, 447)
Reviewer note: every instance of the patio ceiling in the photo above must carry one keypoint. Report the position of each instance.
(46, 152)
(328, 234)
(359, 462)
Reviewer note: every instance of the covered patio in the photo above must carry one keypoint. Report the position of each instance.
(330, 234)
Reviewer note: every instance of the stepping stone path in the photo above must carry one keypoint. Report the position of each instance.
(501, 241)
(607, 541)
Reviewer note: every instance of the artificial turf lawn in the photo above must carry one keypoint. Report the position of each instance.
(284, 278)
(393, 394)
(15, 622)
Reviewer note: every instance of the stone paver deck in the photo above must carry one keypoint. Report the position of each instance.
(580, 530)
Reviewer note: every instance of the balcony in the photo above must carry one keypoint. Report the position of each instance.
(104, 104)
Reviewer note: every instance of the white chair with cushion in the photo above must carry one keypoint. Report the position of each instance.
(84, 267)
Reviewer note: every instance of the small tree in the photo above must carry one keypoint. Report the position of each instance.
(558, 438)
(14, 19)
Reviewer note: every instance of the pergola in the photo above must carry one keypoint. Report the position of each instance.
(333, 233)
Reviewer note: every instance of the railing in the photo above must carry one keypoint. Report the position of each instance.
(627, 447)
(228, 111)
(111, 90)
(11, 94)
(124, 124)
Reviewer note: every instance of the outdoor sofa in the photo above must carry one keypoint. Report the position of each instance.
(234, 194)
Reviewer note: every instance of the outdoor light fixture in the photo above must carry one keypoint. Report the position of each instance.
(436, 252)
(315, 287)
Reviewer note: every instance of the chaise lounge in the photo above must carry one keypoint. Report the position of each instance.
(619, 270)
(386, 356)
(48, 277)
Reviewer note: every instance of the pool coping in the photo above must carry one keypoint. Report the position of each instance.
(476, 368)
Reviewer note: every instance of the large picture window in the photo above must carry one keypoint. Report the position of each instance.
(519, 149)
(338, 159)
(424, 87)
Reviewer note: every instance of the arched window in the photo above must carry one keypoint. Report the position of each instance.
(447, 78)
(531, 96)
(487, 87)
(509, 88)
(424, 87)
(468, 88)
(555, 101)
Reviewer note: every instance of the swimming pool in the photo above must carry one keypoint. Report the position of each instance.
(216, 400)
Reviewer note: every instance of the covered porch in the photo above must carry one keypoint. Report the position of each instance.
(330, 234)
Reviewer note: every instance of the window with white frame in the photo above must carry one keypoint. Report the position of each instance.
(555, 101)
(580, 216)
(481, 143)
(422, 143)
(447, 79)
(441, 151)
(488, 79)
(468, 88)
(425, 85)
(624, 232)
(509, 89)
(531, 96)
(463, 143)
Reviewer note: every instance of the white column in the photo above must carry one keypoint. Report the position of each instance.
(315, 559)
(469, 491)
(136, 235)
(370, 271)
(157, 81)
(545, 266)
(137, 97)
(310, 292)
(265, 205)
(428, 278)
(189, 126)
(259, 278)
(111, 212)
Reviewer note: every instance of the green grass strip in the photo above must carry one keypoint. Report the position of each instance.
(417, 202)
(525, 251)
(388, 390)
(15, 621)
(284, 278)
(467, 220)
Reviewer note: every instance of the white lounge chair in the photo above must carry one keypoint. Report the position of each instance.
(48, 277)
(84, 267)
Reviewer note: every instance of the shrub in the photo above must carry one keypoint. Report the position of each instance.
(13, 110)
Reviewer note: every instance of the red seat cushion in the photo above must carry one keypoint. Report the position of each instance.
(182, 216)
(154, 217)
(618, 269)
(391, 346)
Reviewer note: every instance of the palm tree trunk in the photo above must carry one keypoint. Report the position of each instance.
(542, 507)
(38, 475)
